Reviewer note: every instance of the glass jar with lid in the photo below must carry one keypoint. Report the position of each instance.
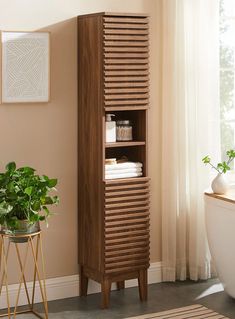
(124, 130)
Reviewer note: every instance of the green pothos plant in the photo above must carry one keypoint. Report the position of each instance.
(24, 195)
(221, 167)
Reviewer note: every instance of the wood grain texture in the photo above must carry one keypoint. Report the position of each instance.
(128, 26)
(126, 67)
(120, 285)
(127, 61)
(127, 102)
(188, 312)
(83, 282)
(124, 96)
(126, 227)
(105, 289)
(90, 161)
(127, 108)
(123, 55)
(125, 72)
(127, 19)
(127, 49)
(124, 144)
(143, 288)
(125, 31)
(123, 79)
(228, 197)
(127, 84)
(126, 90)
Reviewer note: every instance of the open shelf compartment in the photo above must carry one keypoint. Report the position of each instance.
(134, 154)
(138, 122)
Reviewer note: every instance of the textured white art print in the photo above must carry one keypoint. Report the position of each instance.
(25, 67)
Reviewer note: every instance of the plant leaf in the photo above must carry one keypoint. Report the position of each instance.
(52, 182)
(56, 200)
(223, 166)
(28, 190)
(46, 210)
(206, 159)
(231, 153)
(36, 205)
(11, 167)
(48, 200)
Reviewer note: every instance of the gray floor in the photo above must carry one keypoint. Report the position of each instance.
(162, 296)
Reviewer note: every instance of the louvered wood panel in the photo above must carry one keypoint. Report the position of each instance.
(109, 236)
(125, 67)
(126, 210)
(126, 247)
(119, 72)
(126, 102)
(121, 204)
(125, 192)
(111, 243)
(125, 96)
(122, 55)
(127, 49)
(126, 186)
(116, 218)
(128, 221)
(127, 198)
(126, 61)
(123, 258)
(126, 31)
(133, 249)
(126, 79)
(128, 26)
(122, 20)
(126, 90)
(125, 44)
(125, 84)
(126, 225)
(125, 37)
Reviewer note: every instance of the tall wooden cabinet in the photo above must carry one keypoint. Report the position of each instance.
(113, 215)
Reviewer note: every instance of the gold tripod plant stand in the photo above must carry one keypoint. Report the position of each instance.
(33, 243)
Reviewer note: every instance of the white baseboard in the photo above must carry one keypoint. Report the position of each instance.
(67, 287)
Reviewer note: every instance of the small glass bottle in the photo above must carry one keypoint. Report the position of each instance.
(124, 130)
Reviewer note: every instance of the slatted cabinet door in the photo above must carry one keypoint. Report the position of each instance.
(126, 64)
(126, 225)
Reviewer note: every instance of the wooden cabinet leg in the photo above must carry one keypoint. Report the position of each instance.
(83, 282)
(120, 285)
(105, 291)
(143, 287)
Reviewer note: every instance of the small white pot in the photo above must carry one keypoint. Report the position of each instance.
(220, 184)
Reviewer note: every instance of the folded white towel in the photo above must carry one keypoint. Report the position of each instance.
(110, 167)
(123, 171)
(126, 175)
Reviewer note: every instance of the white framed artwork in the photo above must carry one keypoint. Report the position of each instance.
(25, 67)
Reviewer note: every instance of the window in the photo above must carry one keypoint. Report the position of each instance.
(227, 75)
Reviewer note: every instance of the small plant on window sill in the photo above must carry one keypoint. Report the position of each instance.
(222, 167)
(219, 184)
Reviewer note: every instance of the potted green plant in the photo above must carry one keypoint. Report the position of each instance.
(24, 199)
(219, 184)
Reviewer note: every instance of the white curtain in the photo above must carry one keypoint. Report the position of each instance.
(190, 130)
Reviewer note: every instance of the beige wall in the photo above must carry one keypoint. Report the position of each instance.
(44, 135)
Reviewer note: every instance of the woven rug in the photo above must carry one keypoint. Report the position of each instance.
(190, 312)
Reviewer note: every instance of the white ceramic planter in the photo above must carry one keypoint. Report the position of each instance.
(219, 184)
